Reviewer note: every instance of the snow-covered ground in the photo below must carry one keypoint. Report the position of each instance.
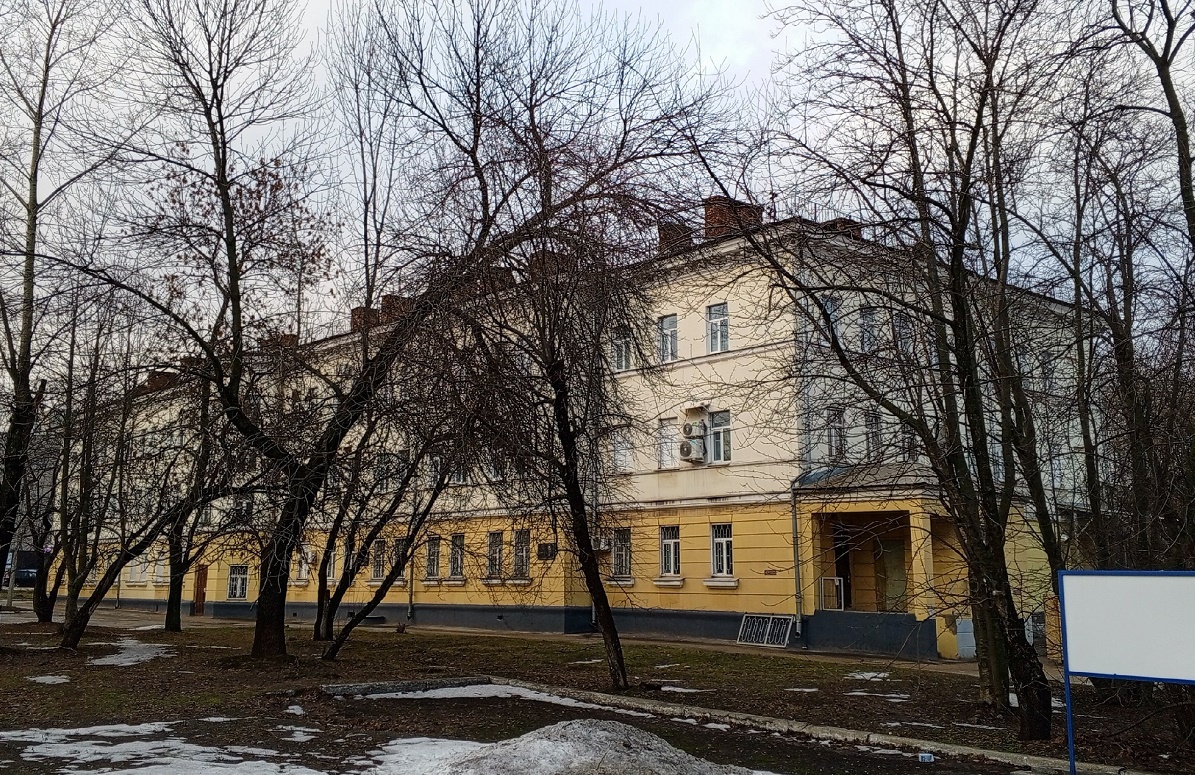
(131, 652)
(488, 691)
(566, 748)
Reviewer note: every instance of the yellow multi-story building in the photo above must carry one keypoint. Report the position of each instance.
(752, 505)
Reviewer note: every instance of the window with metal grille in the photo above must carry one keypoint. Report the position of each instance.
(719, 437)
(723, 550)
(522, 554)
(766, 630)
(238, 582)
(401, 552)
(432, 569)
(622, 552)
(494, 555)
(377, 559)
(717, 321)
(670, 550)
(456, 556)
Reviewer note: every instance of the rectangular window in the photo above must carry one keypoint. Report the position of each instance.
(875, 438)
(836, 434)
(522, 552)
(391, 469)
(670, 550)
(456, 556)
(831, 314)
(432, 568)
(238, 582)
(332, 564)
(621, 351)
(493, 568)
(717, 324)
(719, 437)
(902, 334)
(458, 475)
(668, 343)
(622, 552)
(303, 563)
(377, 559)
(401, 553)
(911, 444)
(622, 453)
(723, 550)
(868, 341)
(666, 443)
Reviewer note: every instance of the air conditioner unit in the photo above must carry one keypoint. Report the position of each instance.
(693, 450)
(694, 430)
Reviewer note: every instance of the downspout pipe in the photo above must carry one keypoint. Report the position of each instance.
(792, 490)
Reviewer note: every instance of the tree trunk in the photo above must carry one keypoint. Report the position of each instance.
(990, 654)
(604, 614)
(45, 596)
(174, 598)
(269, 632)
(16, 449)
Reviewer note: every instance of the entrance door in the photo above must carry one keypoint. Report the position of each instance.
(200, 595)
(842, 562)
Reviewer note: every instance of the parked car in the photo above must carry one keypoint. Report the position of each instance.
(25, 577)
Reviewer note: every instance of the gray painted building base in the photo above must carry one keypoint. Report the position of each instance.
(893, 634)
(890, 634)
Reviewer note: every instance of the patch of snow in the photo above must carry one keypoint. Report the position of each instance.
(587, 662)
(802, 689)
(888, 697)
(670, 664)
(975, 726)
(148, 627)
(132, 652)
(912, 724)
(56, 735)
(865, 676)
(491, 691)
(49, 679)
(683, 689)
(716, 725)
(588, 745)
(299, 734)
(217, 719)
(296, 710)
(692, 721)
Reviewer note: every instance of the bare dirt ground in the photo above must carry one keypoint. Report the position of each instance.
(205, 674)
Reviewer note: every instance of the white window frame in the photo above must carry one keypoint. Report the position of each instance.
(722, 550)
(670, 550)
(831, 307)
(621, 353)
(622, 453)
(493, 554)
(667, 443)
(456, 556)
(668, 344)
(720, 446)
(377, 560)
(911, 444)
(431, 569)
(303, 563)
(869, 340)
(238, 582)
(836, 433)
(717, 327)
(620, 554)
(521, 551)
(873, 431)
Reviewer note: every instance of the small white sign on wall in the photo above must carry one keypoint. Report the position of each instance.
(1138, 625)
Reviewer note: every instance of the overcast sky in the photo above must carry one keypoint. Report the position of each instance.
(730, 32)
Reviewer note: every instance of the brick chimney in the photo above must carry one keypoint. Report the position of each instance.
(674, 237)
(847, 226)
(361, 318)
(394, 307)
(724, 215)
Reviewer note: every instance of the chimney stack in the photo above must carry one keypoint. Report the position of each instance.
(362, 318)
(673, 237)
(724, 215)
(394, 307)
(847, 226)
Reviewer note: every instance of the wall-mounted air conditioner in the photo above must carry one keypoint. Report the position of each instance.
(694, 429)
(693, 450)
